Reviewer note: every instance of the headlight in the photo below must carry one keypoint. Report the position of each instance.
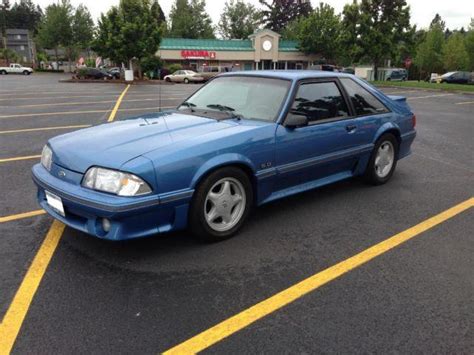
(46, 157)
(115, 182)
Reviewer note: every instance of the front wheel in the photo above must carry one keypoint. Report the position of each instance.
(186, 80)
(383, 160)
(221, 205)
(26, 72)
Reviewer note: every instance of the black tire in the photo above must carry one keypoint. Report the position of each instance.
(26, 72)
(186, 80)
(3, 72)
(168, 80)
(371, 175)
(198, 225)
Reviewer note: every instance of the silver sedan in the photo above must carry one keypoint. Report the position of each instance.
(184, 76)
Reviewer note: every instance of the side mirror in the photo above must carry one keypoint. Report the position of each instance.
(294, 121)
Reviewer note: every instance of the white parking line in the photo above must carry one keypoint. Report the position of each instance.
(426, 97)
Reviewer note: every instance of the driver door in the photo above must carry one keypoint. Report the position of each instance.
(317, 150)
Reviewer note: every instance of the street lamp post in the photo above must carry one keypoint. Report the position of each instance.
(4, 7)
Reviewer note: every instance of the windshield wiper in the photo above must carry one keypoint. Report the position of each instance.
(223, 108)
(188, 104)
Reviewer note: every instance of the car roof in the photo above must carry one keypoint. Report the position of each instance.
(289, 74)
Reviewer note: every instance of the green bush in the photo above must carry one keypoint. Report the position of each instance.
(49, 70)
(174, 67)
(90, 63)
(151, 64)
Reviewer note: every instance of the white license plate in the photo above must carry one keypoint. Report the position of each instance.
(55, 202)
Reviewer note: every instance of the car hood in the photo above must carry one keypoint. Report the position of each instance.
(113, 144)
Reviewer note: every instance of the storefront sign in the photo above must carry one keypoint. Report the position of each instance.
(197, 54)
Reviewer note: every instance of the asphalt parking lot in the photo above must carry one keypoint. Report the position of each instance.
(147, 296)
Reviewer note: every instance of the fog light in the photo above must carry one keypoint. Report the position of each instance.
(105, 224)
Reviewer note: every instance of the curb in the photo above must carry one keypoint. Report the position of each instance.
(138, 82)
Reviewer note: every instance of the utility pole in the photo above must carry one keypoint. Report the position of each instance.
(4, 7)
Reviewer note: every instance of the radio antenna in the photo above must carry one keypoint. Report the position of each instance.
(159, 92)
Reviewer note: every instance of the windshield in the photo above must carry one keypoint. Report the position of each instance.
(448, 74)
(242, 96)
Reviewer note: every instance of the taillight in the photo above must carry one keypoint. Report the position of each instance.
(413, 121)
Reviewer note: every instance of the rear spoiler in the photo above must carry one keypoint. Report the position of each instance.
(400, 99)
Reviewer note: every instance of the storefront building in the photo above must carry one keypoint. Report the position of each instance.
(263, 50)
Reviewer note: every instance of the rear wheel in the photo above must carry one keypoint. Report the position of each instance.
(186, 80)
(221, 204)
(383, 160)
(3, 72)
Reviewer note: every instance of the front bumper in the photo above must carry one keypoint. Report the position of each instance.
(130, 217)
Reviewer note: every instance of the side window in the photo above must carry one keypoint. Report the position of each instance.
(364, 102)
(319, 101)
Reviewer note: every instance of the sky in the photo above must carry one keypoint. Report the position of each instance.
(456, 13)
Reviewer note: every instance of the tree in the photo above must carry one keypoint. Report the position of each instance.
(279, 13)
(320, 32)
(383, 24)
(55, 29)
(455, 53)
(25, 15)
(429, 55)
(82, 28)
(437, 21)
(9, 55)
(469, 44)
(238, 20)
(190, 20)
(158, 12)
(349, 34)
(131, 31)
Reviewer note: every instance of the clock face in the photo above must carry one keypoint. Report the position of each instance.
(267, 45)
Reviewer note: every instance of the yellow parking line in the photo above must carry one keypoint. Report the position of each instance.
(15, 217)
(5, 160)
(291, 294)
(117, 104)
(43, 129)
(465, 103)
(16, 313)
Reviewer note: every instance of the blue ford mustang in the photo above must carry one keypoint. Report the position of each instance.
(242, 140)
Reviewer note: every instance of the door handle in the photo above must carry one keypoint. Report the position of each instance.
(351, 128)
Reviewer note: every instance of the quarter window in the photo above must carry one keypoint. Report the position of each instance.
(319, 101)
(364, 102)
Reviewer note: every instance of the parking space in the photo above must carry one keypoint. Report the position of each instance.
(147, 296)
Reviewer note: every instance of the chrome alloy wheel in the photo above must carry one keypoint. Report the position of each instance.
(225, 204)
(384, 159)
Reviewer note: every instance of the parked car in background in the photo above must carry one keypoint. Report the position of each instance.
(242, 140)
(15, 68)
(209, 72)
(456, 77)
(93, 73)
(348, 71)
(396, 75)
(184, 76)
(323, 67)
(116, 72)
(434, 78)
